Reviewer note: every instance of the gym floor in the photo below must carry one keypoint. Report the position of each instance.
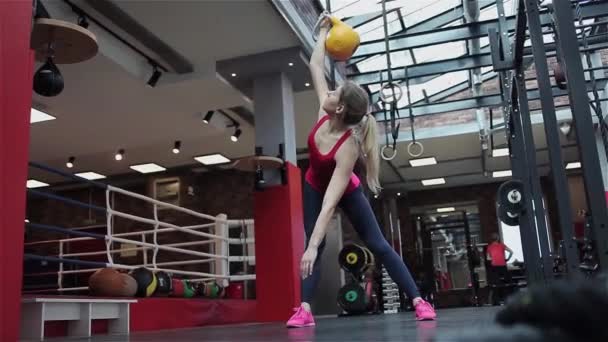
(393, 327)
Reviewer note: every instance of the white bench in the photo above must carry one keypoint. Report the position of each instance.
(79, 312)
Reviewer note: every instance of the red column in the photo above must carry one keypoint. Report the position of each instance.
(16, 64)
(279, 244)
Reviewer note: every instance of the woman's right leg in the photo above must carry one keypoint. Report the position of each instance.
(312, 207)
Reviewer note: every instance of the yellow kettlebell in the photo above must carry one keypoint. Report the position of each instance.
(342, 41)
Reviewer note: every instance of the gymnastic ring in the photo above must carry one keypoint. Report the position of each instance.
(409, 149)
(317, 27)
(396, 95)
(389, 157)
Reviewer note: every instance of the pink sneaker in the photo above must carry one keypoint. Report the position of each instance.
(424, 311)
(301, 319)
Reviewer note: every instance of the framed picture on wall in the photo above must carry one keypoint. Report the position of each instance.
(167, 190)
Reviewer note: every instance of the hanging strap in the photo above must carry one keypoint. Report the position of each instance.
(393, 105)
(411, 147)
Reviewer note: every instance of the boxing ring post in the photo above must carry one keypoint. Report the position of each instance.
(16, 69)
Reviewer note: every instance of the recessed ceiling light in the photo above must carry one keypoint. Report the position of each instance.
(38, 116)
(446, 210)
(307, 84)
(398, 194)
(500, 152)
(434, 181)
(290, 63)
(90, 175)
(423, 161)
(147, 168)
(233, 75)
(501, 174)
(32, 184)
(575, 165)
(212, 159)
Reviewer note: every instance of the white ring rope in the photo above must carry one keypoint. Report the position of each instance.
(167, 205)
(220, 225)
(154, 236)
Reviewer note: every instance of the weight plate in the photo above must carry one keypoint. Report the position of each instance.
(511, 196)
(352, 298)
(508, 218)
(353, 259)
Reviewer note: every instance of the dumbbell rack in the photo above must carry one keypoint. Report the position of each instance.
(390, 294)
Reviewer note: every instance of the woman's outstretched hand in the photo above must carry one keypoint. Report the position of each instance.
(325, 23)
(308, 261)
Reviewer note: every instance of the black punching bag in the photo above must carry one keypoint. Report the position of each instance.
(48, 80)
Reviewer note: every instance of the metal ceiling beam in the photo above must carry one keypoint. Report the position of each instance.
(464, 62)
(477, 102)
(468, 31)
(434, 22)
(360, 20)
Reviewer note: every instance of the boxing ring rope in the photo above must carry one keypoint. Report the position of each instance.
(218, 239)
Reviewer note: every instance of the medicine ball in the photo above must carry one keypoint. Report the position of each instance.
(199, 289)
(177, 288)
(106, 282)
(129, 285)
(164, 284)
(188, 289)
(146, 281)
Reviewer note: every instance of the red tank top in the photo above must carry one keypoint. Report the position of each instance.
(322, 166)
(497, 254)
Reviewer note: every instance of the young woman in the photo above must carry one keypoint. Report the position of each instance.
(344, 133)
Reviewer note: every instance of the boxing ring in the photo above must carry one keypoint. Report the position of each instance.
(207, 243)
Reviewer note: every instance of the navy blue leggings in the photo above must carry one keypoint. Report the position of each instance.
(360, 214)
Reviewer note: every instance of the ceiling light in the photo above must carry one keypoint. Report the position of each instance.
(154, 78)
(120, 154)
(398, 194)
(434, 181)
(233, 75)
(423, 161)
(446, 210)
(38, 116)
(177, 146)
(236, 135)
(501, 174)
(208, 117)
(90, 175)
(290, 63)
(307, 84)
(32, 184)
(70, 163)
(565, 128)
(575, 165)
(212, 159)
(147, 168)
(500, 152)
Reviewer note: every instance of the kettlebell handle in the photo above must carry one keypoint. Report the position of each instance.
(317, 27)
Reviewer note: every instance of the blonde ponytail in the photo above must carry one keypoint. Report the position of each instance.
(371, 155)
